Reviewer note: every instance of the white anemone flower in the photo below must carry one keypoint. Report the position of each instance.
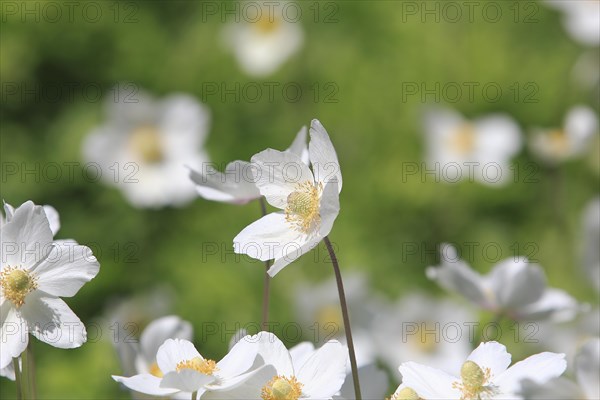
(292, 375)
(236, 184)
(485, 375)
(591, 238)
(581, 19)
(573, 140)
(35, 272)
(586, 385)
(182, 370)
(145, 144)
(459, 149)
(263, 42)
(514, 288)
(423, 329)
(309, 201)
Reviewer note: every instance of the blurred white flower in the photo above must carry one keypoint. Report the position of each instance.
(485, 375)
(309, 200)
(34, 272)
(373, 384)
(180, 368)
(514, 288)
(587, 371)
(51, 215)
(262, 44)
(145, 144)
(581, 19)
(591, 239)
(236, 184)
(291, 375)
(554, 146)
(423, 329)
(461, 149)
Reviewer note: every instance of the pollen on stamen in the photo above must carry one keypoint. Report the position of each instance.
(282, 388)
(302, 210)
(16, 284)
(405, 394)
(474, 381)
(204, 366)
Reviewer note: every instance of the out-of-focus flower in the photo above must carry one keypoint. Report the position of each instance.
(236, 184)
(51, 215)
(145, 144)
(180, 368)
(591, 239)
(558, 145)
(34, 272)
(485, 374)
(373, 384)
(303, 374)
(461, 149)
(514, 288)
(422, 329)
(587, 370)
(263, 43)
(581, 19)
(309, 201)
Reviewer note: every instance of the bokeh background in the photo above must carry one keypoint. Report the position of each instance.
(354, 67)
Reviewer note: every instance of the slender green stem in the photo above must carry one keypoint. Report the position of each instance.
(194, 395)
(25, 387)
(267, 281)
(17, 377)
(344, 306)
(31, 370)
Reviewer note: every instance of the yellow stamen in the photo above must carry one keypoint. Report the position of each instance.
(329, 315)
(474, 381)
(267, 24)
(559, 142)
(204, 366)
(302, 210)
(146, 142)
(406, 394)
(462, 140)
(155, 370)
(282, 388)
(16, 284)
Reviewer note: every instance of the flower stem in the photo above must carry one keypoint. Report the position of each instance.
(267, 281)
(17, 377)
(194, 395)
(31, 370)
(340, 285)
(25, 392)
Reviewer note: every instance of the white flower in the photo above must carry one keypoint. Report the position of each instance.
(34, 272)
(420, 328)
(480, 149)
(309, 201)
(587, 370)
(485, 375)
(306, 374)
(553, 146)
(591, 238)
(236, 184)
(262, 44)
(514, 288)
(581, 19)
(182, 369)
(144, 145)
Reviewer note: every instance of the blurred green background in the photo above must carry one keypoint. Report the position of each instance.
(369, 52)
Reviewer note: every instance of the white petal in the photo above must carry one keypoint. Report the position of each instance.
(324, 372)
(292, 254)
(172, 352)
(9, 371)
(53, 218)
(66, 269)
(491, 355)
(186, 380)
(540, 368)
(161, 329)
(373, 383)
(273, 352)
(13, 332)
(299, 147)
(300, 353)
(249, 389)
(329, 208)
(555, 304)
(581, 123)
(587, 368)
(429, 383)
(517, 283)
(145, 383)
(278, 173)
(323, 157)
(235, 185)
(270, 237)
(239, 359)
(26, 239)
(51, 321)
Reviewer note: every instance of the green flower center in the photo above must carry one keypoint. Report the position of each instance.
(16, 284)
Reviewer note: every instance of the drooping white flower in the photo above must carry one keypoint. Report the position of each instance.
(263, 42)
(514, 288)
(236, 184)
(485, 375)
(145, 144)
(35, 272)
(558, 145)
(181, 368)
(309, 200)
(423, 329)
(307, 374)
(459, 149)
(591, 238)
(581, 19)
(587, 386)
